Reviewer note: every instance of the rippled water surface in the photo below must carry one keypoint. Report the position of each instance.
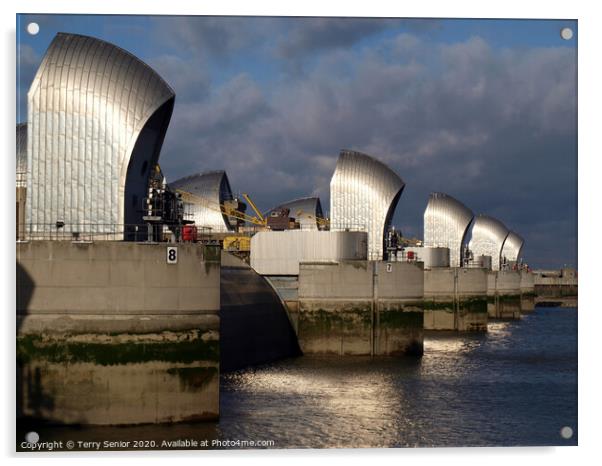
(516, 385)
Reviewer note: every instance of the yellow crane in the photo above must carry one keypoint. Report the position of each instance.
(236, 242)
(255, 209)
(259, 220)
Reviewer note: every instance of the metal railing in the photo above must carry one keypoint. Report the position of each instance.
(473, 264)
(403, 256)
(84, 232)
(348, 226)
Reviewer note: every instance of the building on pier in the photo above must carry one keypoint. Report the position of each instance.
(513, 247)
(446, 223)
(364, 193)
(488, 237)
(203, 195)
(96, 119)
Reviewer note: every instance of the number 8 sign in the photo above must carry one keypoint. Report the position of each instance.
(172, 255)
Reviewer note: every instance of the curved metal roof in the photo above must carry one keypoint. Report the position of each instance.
(305, 210)
(209, 190)
(97, 117)
(363, 195)
(21, 154)
(513, 247)
(446, 221)
(488, 237)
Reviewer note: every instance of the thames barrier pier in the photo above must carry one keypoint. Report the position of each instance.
(110, 333)
(455, 299)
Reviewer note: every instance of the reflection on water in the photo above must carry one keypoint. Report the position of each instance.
(324, 400)
(515, 385)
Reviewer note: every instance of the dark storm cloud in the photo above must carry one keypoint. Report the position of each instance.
(212, 37)
(309, 35)
(493, 127)
(27, 65)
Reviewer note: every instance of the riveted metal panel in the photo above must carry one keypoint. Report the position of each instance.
(304, 210)
(363, 195)
(512, 247)
(488, 237)
(97, 117)
(446, 221)
(21, 155)
(209, 191)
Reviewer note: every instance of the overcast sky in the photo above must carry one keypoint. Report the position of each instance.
(484, 110)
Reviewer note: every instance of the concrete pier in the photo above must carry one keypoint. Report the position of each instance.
(360, 308)
(504, 294)
(111, 333)
(455, 299)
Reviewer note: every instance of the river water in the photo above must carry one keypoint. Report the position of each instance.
(516, 385)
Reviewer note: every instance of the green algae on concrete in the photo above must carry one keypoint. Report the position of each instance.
(400, 319)
(35, 347)
(324, 321)
(503, 298)
(474, 305)
(466, 314)
(464, 304)
(352, 328)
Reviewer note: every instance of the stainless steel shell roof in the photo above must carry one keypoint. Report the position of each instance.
(21, 154)
(488, 237)
(363, 195)
(305, 210)
(97, 116)
(446, 221)
(209, 190)
(512, 247)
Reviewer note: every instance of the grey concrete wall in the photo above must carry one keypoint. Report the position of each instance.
(344, 280)
(107, 277)
(507, 282)
(356, 280)
(527, 291)
(527, 281)
(504, 294)
(439, 282)
(400, 281)
(89, 393)
(360, 308)
(109, 333)
(455, 299)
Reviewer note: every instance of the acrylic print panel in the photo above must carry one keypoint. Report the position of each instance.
(272, 232)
